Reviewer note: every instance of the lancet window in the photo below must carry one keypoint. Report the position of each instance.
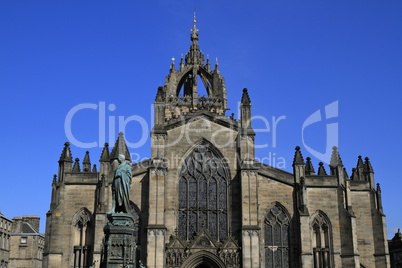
(276, 231)
(83, 233)
(203, 194)
(321, 231)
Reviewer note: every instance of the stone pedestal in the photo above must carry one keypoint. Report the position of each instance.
(119, 244)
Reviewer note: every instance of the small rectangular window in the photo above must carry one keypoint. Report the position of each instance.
(23, 240)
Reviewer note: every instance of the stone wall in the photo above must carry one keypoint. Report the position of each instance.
(5, 231)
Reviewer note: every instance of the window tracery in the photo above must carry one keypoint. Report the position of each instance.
(321, 229)
(82, 223)
(276, 230)
(203, 195)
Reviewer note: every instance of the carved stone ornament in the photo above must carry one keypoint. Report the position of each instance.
(179, 251)
(120, 242)
(82, 217)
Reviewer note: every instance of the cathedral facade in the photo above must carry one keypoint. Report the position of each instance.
(202, 200)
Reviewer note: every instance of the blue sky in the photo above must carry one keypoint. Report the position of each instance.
(295, 57)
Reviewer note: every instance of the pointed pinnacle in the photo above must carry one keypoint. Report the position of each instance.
(86, 158)
(335, 158)
(208, 65)
(245, 98)
(105, 153)
(216, 70)
(298, 159)
(309, 167)
(367, 165)
(120, 147)
(378, 188)
(360, 163)
(355, 176)
(76, 167)
(321, 169)
(159, 95)
(66, 155)
(181, 63)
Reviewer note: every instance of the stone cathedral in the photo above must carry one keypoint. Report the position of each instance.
(202, 200)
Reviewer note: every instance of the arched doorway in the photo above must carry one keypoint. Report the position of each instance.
(203, 259)
(206, 266)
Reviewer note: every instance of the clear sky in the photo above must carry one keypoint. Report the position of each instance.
(295, 57)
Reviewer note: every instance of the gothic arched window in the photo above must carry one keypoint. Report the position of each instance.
(83, 233)
(203, 194)
(321, 231)
(276, 229)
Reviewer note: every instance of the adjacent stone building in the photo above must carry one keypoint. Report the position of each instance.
(27, 243)
(21, 244)
(5, 232)
(395, 250)
(202, 200)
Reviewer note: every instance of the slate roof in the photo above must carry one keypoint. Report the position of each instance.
(28, 229)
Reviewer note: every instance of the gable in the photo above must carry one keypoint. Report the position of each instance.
(182, 139)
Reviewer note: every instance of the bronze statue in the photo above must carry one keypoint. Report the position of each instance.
(121, 187)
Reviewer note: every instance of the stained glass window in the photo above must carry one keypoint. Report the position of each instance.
(276, 230)
(203, 195)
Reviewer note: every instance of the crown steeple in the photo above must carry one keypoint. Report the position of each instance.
(180, 94)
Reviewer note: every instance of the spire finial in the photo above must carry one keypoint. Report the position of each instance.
(172, 65)
(195, 16)
(194, 55)
(216, 66)
(194, 30)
